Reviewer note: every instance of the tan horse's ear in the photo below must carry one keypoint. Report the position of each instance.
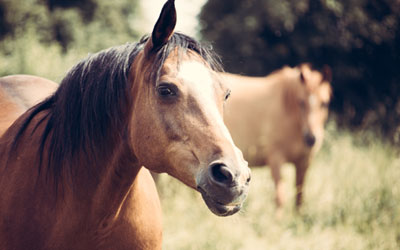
(302, 79)
(327, 73)
(303, 67)
(164, 27)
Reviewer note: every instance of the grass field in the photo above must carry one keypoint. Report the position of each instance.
(352, 202)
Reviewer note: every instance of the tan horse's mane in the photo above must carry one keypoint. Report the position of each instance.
(88, 115)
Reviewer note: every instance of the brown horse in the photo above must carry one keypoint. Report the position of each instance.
(279, 118)
(18, 93)
(71, 166)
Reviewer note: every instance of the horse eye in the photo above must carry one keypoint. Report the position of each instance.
(324, 105)
(302, 104)
(166, 90)
(228, 94)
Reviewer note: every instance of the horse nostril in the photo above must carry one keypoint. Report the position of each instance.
(221, 173)
(248, 179)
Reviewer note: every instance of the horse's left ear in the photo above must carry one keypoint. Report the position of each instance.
(303, 67)
(164, 27)
(302, 79)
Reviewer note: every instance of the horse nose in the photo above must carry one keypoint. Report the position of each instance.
(309, 139)
(221, 174)
(224, 186)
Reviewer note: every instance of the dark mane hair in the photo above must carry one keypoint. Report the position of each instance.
(89, 113)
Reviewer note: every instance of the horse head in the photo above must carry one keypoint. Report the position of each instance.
(313, 99)
(177, 126)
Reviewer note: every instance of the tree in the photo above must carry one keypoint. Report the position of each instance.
(359, 39)
(70, 23)
(47, 37)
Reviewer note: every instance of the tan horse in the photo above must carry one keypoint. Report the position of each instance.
(279, 118)
(18, 93)
(71, 167)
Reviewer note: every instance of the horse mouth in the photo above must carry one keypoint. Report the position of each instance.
(219, 208)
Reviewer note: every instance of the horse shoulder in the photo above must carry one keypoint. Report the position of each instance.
(18, 187)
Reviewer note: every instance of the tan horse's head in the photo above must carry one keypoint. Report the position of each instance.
(177, 127)
(310, 102)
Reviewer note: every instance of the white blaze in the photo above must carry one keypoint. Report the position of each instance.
(200, 83)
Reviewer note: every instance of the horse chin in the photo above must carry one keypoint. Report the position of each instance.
(217, 207)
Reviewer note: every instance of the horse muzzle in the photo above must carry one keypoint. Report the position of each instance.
(223, 189)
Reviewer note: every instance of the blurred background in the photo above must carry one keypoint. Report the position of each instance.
(358, 39)
(352, 192)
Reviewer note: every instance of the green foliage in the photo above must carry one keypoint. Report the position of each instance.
(352, 201)
(359, 39)
(47, 37)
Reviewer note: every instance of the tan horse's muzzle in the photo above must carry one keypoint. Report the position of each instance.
(224, 187)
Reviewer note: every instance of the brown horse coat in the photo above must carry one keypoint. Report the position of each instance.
(279, 118)
(71, 167)
(18, 93)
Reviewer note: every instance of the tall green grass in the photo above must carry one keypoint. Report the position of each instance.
(352, 201)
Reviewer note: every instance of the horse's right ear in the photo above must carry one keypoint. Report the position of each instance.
(327, 73)
(163, 29)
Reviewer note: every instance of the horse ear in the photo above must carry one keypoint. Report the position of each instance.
(164, 27)
(327, 73)
(303, 67)
(302, 79)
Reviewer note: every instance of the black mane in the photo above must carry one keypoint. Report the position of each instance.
(88, 114)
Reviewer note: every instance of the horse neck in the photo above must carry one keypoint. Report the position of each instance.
(118, 177)
(119, 173)
(102, 185)
(126, 197)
